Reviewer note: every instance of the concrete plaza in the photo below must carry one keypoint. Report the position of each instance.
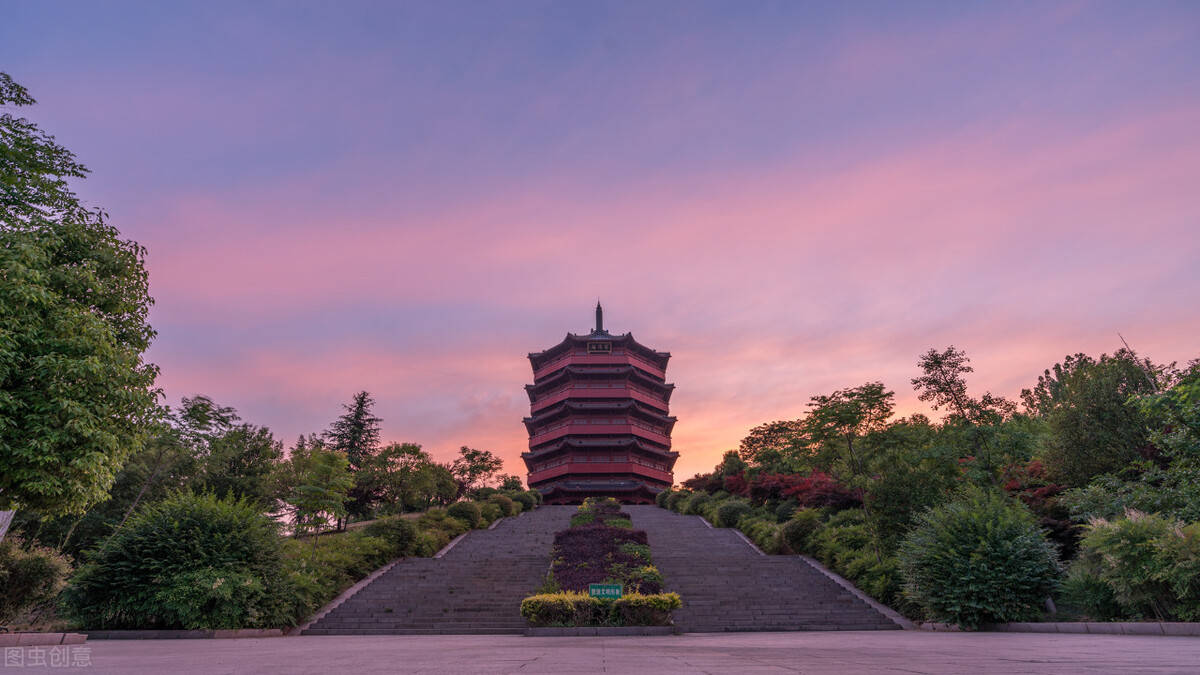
(810, 653)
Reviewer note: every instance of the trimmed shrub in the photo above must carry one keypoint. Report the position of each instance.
(489, 512)
(190, 561)
(31, 576)
(468, 512)
(440, 527)
(661, 498)
(399, 533)
(729, 513)
(799, 529)
(695, 504)
(764, 532)
(675, 500)
(536, 495)
(636, 609)
(525, 499)
(578, 609)
(623, 523)
(567, 608)
(978, 559)
(508, 507)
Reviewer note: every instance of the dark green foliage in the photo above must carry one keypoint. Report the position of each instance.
(527, 500)
(694, 506)
(30, 577)
(979, 559)
(356, 434)
(76, 396)
(190, 561)
(507, 506)
(1092, 427)
(676, 500)
(399, 533)
(489, 512)
(798, 531)
(785, 510)
(468, 512)
(437, 529)
(661, 498)
(764, 532)
(729, 513)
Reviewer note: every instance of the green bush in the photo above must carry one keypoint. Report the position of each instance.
(764, 532)
(536, 495)
(526, 499)
(489, 513)
(675, 500)
(695, 504)
(437, 528)
(623, 523)
(786, 510)
(468, 512)
(190, 561)
(661, 498)
(797, 532)
(1143, 566)
(729, 513)
(978, 559)
(31, 576)
(399, 533)
(508, 507)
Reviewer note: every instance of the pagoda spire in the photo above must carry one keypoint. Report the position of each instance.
(599, 318)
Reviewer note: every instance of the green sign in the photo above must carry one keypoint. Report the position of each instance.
(604, 590)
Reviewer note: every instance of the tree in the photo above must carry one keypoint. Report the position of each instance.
(944, 385)
(511, 483)
(356, 433)
(312, 484)
(843, 418)
(1092, 425)
(76, 397)
(474, 468)
(402, 477)
(770, 446)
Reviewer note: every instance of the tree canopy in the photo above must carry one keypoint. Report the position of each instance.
(76, 396)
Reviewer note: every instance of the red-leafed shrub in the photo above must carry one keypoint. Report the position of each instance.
(737, 485)
(1028, 483)
(820, 489)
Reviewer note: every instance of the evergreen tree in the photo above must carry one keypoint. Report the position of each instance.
(356, 434)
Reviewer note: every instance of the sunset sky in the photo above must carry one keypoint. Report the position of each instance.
(789, 197)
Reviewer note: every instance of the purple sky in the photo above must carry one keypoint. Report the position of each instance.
(790, 197)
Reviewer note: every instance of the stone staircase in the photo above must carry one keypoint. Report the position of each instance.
(476, 587)
(727, 585)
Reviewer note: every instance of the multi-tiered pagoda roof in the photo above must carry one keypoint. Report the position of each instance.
(599, 422)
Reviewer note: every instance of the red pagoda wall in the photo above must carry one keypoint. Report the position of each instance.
(599, 422)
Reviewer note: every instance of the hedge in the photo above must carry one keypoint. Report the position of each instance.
(571, 608)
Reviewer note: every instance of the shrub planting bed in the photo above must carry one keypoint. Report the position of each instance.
(601, 547)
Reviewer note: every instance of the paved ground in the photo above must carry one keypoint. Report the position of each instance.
(817, 652)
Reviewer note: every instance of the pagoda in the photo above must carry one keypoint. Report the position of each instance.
(598, 423)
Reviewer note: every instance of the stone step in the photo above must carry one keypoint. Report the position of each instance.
(477, 586)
